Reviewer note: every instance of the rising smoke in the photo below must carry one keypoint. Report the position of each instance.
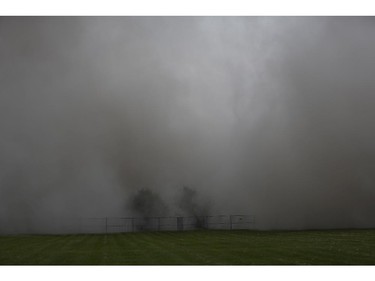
(265, 116)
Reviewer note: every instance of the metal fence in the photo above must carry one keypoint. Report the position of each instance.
(134, 224)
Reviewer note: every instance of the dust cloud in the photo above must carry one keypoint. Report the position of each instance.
(114, 116)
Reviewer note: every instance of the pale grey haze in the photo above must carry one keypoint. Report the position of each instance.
(127, 116)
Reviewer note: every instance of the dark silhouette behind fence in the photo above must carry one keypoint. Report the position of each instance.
(133, 224)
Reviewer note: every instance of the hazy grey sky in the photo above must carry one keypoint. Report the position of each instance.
(271, 116)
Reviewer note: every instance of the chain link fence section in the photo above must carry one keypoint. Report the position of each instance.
(93, 225)
(241, 221)
(139, 224)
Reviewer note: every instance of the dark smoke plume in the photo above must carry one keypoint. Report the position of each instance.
(190, 204)
(148, 204)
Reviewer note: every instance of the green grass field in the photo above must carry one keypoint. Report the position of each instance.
(193, 248)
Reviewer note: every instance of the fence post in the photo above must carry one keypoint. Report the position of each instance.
(158, 223)
(230, 221)
(180, 223)
(106, 225)
(132, 224)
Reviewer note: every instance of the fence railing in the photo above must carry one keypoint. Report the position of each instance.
(137, 224)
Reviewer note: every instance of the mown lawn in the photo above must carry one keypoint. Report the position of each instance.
(193, 248)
